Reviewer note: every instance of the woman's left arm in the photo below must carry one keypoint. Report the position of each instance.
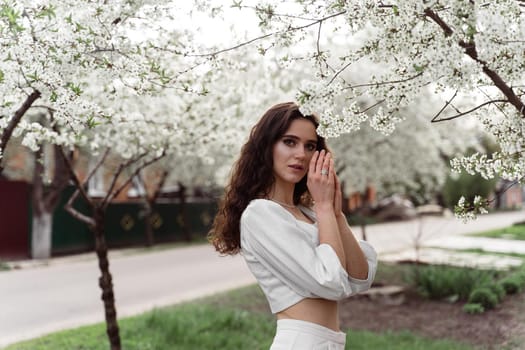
(357, 264)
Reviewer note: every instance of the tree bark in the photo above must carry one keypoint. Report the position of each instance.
(363, 229)
(106, 281)
(8, 131)
(148, 215)
(41, 235)
(44, 203)
(149, 205)
(184, 222)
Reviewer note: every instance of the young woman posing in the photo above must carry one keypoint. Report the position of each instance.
(282, 209)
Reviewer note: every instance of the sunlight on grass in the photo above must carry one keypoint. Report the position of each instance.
(364, 340)
(235, 320)
(511, 232)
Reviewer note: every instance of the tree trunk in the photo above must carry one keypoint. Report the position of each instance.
(150, 237)
(105, 281)
(41, 235)
(44, 203)
(149, 205)
(363, 228)
(42, 219)
(184, 222)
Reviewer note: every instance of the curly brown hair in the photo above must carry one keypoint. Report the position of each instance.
(252, 175)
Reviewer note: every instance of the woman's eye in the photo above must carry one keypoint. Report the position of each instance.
(310, 147)
(289, 142)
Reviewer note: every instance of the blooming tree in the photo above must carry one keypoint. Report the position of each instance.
(468, 49)
(84, 66)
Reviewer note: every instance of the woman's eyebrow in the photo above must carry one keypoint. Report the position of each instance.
(298, 138)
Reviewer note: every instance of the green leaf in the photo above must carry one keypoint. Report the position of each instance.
(12, 17)
(237, 4)
(471, 30)
(33, 77)
(91, 123)
(396, 10)
(1, 76)
(79, 27)
(48, 12)
(75, 88)
(53, 97)
(417, 68)
(304, 96)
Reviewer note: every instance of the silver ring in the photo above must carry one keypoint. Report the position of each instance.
(324, 172)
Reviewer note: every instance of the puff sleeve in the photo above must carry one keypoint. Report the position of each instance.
(291, 252)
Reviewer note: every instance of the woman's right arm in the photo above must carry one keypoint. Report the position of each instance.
(321, 188)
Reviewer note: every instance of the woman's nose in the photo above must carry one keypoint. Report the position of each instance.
(300, 152)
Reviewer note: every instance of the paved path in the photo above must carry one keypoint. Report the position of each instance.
(398, 236)
(495, 245)
(65, 294)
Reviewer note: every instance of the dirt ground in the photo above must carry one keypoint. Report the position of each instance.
(502, 327)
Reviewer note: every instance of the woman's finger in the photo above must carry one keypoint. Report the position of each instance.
(320, 161)
(313, 162)
(325, 168)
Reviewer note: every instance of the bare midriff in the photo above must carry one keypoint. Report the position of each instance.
(320, 311)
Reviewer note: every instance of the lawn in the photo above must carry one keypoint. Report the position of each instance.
(511, 232)
(233, 320)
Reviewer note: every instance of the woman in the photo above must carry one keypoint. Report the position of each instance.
(304, 257)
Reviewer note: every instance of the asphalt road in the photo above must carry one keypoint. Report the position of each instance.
(65, 294)
(39, 299)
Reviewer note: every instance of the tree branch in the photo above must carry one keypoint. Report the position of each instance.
(258, 9)
(97, 166)
(384, 82)
(113, 194)
(60, 176)
(508, 187)
(76, 180)
(75, 213)
(121, 167)
(445, 106)
(80, 190)
(8, 131)
(470, 50)
(158, 188)
(434, 120)
(289, 29)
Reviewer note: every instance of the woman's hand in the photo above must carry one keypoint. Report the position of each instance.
(321, 179)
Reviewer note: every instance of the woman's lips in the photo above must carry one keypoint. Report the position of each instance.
(297, 167)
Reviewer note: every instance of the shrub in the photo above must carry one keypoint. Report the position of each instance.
(511, 284)
(498, 290)
(483, 296)
(473, 308)
(439, 282)
(466, 185)
(520, 275)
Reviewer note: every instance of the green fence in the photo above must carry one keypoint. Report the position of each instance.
(125, 224)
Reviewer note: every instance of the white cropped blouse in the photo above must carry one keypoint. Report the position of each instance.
(285, 257)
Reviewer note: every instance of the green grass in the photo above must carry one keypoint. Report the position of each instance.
(483, 251)
(235, 320)
(511, 232)
(364, 340)
(4, 266)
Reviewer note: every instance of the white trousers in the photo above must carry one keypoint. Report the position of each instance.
(302, 335)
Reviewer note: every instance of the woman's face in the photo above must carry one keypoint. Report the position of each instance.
(293, 151)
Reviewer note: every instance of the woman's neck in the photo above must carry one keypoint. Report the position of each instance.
(282, 194)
